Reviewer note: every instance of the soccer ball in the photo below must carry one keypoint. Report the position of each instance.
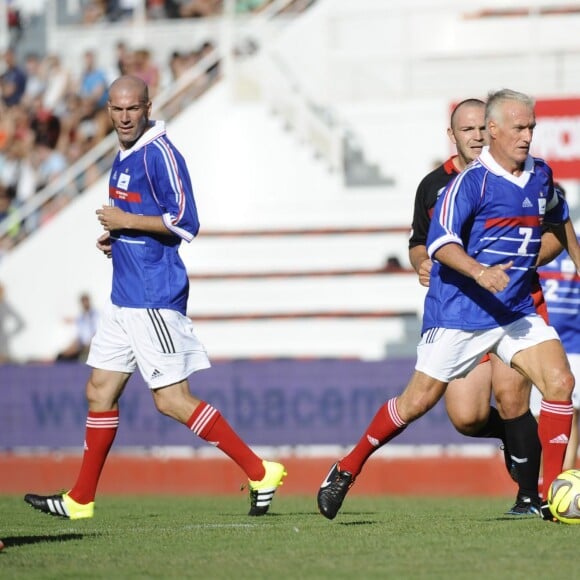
(564, 497)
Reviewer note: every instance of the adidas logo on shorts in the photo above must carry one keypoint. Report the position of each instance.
(156, 374)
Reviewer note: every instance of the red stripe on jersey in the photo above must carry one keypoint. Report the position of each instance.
(524, 220)
(545, 275)
(130, 196)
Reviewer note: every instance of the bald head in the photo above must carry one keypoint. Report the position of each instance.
(467, 131)
(129, 109)
(463, 105)
(130, 84)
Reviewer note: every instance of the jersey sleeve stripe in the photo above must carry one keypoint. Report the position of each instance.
(448, 205)
(181, 232)
(174, 179)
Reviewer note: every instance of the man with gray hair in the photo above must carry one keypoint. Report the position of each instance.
(484, 241)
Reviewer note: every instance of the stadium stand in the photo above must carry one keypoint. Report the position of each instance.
(305, 151)
(268, 147)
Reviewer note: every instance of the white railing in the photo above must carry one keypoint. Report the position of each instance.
(63, 183)
(167, 103)
(313, 122)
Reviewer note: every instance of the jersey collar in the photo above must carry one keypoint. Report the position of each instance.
(492, 165)
(156, 129)
(449, 166)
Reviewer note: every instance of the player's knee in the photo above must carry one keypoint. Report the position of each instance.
(171, 406)
(560, 389)
(413, 408)
(468, 429)
(99, 397)
(164, 406)
(466, 416)
(466, 424)
(420, 395)
(512, 407)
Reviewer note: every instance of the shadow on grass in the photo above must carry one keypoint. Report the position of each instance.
(270, 515)
(25, 540)
(507, 518)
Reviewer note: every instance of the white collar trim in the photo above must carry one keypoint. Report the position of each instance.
(490, 163)
(156, 129)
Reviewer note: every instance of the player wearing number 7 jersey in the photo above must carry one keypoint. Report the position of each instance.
(503, 215)
(468, 400)
(484, 239)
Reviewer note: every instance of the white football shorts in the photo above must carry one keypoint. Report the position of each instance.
(446, 354)
(160, 342)
(536, 396)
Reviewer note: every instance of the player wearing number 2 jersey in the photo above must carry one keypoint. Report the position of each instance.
(561, 286)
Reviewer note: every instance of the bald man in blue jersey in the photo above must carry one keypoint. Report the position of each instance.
(484, 241)
(151, 210)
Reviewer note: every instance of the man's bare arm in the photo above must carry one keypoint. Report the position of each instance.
(493, 278)
(112, 218)
(421, 263)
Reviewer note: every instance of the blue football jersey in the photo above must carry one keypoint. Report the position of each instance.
(496, 217)
(561, 286)
(152, 179)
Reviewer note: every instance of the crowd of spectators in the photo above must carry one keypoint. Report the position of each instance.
(114, 10)
(49, 118)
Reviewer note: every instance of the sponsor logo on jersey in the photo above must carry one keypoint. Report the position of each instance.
(123, 181)
(129, 196)
(542, 206)
(527, 203)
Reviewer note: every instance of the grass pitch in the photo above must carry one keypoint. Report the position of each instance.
(212, 538)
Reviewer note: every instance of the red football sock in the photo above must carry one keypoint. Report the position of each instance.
(385, 425)
(554, 426)
(208, 423)
(99, 436)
